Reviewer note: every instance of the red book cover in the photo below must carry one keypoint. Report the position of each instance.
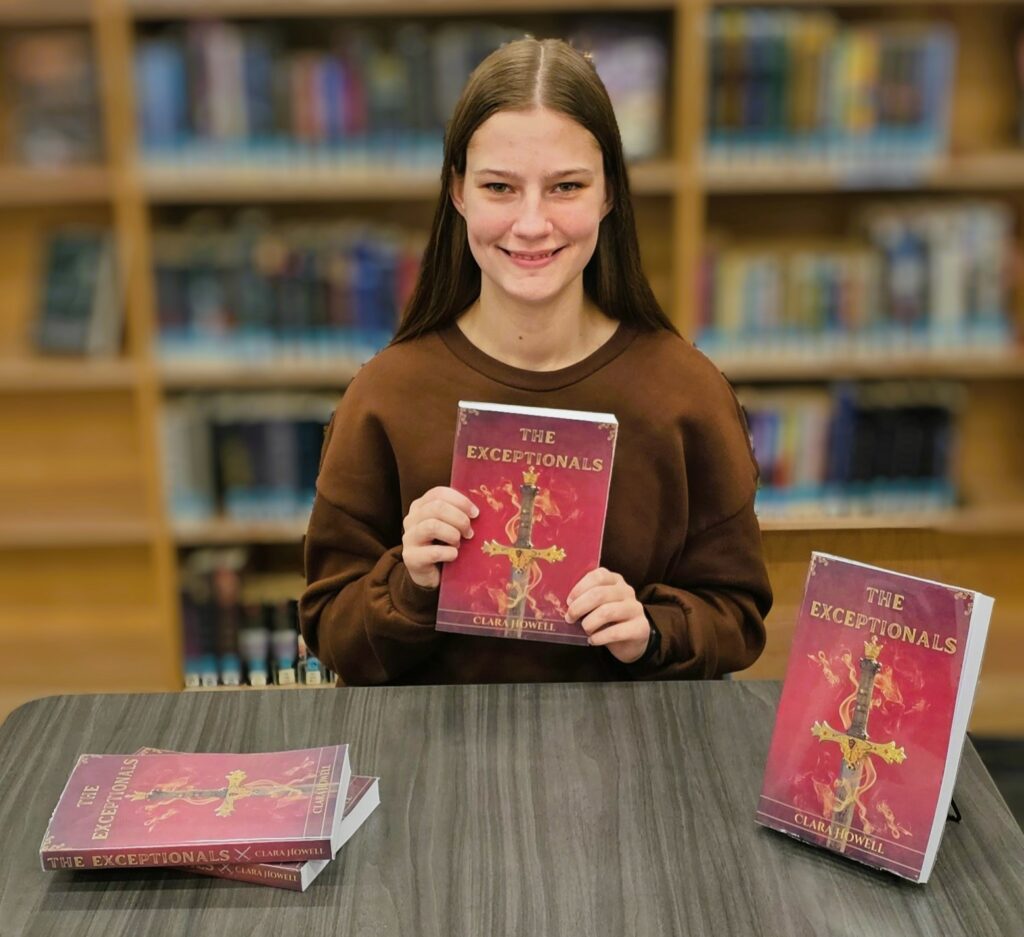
(363, 798)
(540, 478)
(873, 714)
(124, 811)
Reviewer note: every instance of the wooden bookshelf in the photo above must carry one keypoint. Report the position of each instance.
(328, 373)
(101, 571)
(66, 186)
(181, 9)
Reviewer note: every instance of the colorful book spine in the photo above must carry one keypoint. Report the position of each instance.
(540, 478)
(135, 811)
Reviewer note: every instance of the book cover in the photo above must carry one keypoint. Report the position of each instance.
(126, 811)
(873, 714)
(363, 798)
(540, 478)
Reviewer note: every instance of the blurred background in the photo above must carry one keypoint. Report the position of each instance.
(211, 212)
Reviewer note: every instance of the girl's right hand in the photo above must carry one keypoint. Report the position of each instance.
(434, 527)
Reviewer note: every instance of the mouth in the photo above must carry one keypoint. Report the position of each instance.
(532, 258)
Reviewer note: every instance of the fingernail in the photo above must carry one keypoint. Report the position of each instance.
(469, 536)
(474, 511)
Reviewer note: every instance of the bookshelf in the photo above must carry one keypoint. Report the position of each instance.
(86, 541)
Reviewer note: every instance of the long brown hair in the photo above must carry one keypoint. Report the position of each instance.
(520, 76)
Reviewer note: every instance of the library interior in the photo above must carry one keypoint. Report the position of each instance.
(213, 211)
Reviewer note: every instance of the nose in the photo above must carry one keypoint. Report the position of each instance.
(531, 221)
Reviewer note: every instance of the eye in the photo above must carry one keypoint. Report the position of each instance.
(565, 187)
(498, 188)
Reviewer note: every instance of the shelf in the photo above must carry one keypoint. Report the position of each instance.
(300, 182)
(30, 375)
(223, 532)
(979, 521)
(44, 12)
(72, 533)
(858, 366)
(978, 173)
(229, 375)
(21, 185)
(176, 9)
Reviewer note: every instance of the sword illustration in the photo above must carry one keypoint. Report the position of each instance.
(522, 555)
(234, 790)
(856, 748)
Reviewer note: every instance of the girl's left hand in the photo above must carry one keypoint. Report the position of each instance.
(606, 607)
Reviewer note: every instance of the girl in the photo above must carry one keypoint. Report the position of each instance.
(531, 293)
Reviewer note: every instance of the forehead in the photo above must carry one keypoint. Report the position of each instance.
(539, 134)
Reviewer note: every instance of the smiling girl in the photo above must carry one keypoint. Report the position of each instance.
(532, 293)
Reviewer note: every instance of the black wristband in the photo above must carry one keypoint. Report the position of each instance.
(653, 643)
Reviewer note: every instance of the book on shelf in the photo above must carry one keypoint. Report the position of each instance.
(54, 102)
(855, 448)
(80, 311)
(899, 652)
(253, 290)
(176, 809)
(540, 478)
(871, 99)
(241, 625)
(245, 457)
(924, 277)
(362, 798)
(216, 93)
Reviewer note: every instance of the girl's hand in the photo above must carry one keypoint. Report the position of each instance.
(606, 607)
(434, 527)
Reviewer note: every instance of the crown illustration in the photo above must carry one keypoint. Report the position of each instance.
(872, 648)
(530, 476)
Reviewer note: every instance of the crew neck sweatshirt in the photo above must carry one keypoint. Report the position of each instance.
(680, 526)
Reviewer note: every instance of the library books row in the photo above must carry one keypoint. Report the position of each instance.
(51, 84)
(851, 448)
(247, 457)
(921, 276)
(241, 626)
(213, 90)
(805, 85)
(252, 289)
(868, 448)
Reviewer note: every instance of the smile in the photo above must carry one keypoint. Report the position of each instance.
(531, 258)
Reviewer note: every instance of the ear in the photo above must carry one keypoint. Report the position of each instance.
(607, 207)
(457, 192)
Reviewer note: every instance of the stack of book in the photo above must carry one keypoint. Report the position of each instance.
(273, 818)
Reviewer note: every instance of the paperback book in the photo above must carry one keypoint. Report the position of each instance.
(540, 478)
(363, 798)
(174, 809)
(904, 653)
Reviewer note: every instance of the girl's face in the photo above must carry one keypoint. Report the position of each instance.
(533, 197)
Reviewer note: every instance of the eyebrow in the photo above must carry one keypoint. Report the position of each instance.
(561, 174)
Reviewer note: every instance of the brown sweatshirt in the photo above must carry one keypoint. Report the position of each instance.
(680, 528)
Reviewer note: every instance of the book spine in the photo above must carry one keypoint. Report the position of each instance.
(295, 850)
(286, 876)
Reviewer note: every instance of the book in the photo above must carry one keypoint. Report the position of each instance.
(363, 798)
(80, 311)
(540, 478)
(134, 811)
(903, 653)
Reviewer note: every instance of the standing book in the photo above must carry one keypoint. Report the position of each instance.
(363, 798)
(174, 809)
(898, 652)
(540, 478)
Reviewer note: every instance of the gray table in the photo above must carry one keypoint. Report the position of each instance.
(506, 810)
